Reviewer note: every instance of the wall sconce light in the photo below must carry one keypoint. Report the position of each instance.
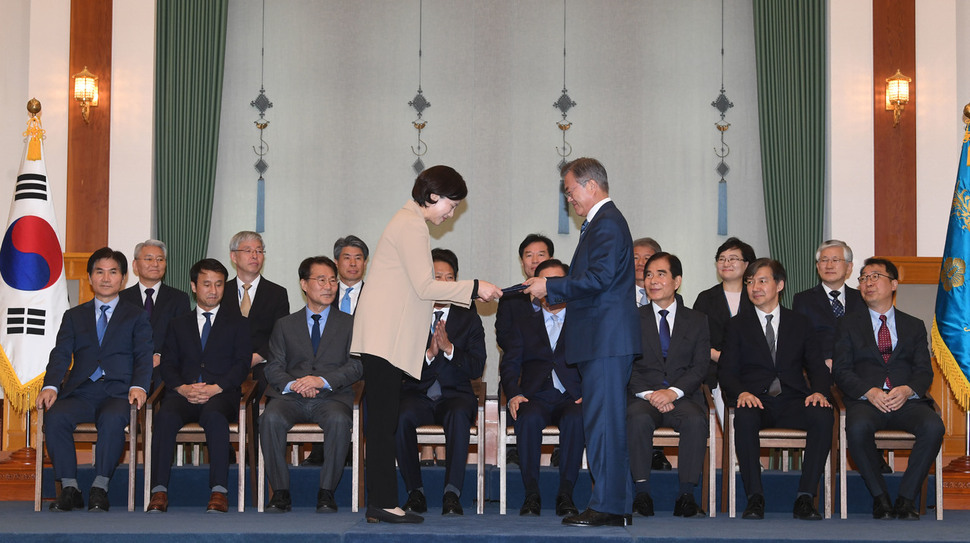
(86, 92)
(897, 94)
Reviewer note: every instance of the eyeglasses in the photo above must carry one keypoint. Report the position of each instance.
(150, 259)
(826, 260)
(250, 252)
(729, 259)
(323, 279)
(872, 277)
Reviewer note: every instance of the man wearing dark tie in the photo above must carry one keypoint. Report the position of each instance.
(602, 336)
(767, 355)
(162, 302)
(883, 368)
(542, 390)
(310, 374)
(455, 357)
(350, 253)
(831, 299)
(204, 362)
(665, 387)
(110, 344)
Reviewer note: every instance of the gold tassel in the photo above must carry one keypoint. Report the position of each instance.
(20, 396)
(950, 369)
(36, 134)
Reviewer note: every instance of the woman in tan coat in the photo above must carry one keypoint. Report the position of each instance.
(391, 324)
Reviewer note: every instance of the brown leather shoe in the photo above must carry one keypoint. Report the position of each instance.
(158, 503)
(218, 503)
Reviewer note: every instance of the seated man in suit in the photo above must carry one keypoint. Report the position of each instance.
(542, 390)
(767, 354)
(883, 368)
(110, 342)
(665, 386)
(454, 358)
(161, 302)
(310, 374)
(831, 299)
(204, 362)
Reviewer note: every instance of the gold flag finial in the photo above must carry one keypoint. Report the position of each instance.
(33, 106)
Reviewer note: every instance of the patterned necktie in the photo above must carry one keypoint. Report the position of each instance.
(837, 308)
(643, 298)
(345, 301)
(582, 229)
(315, 333)
(664, 332)
(555, 329)
(247, 303)
(149, 302)
(885, 343)
(102, 325)
(434, 391)
(437, 317)
(206, 328)
(775, 388)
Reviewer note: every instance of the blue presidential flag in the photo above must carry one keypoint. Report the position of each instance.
(951, 324)
(33, 290)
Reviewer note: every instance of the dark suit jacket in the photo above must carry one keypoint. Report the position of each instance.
(225, 360)
(170, 302)
(746, 364)
(816, 304)
(125, 354)
(858, 366)
(688, 355)
(712, 303)
(269, 305)
(599, 291)
(467, 363)
(527, 359)
(291, 355)
(336, 301)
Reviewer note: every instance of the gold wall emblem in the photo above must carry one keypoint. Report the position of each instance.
(951, 274)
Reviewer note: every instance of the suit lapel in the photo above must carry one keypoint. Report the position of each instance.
(652, 335)
(759, 339)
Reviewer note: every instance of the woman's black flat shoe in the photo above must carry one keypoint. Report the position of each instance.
(376, 514)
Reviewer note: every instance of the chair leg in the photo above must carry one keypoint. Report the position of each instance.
(148, 464)
(502, 467)
(260, 483)
(938, 477)
(39, 465)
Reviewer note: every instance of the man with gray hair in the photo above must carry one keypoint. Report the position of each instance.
(351, 254)
(161, 302)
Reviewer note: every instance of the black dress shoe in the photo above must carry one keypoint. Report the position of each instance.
(325, 501)
(885, 468)
(376, 514)
(805, 509)
(450, 505)
(905, 509)
(565, 505)
(98, 500)
(280, 503)
(69, 499)
(416, 503)
(554, 458)
(686, 507)
(532, 505)
(512, 456)
(312, 460)
(660, 462)
(643, 504)
(427, 463)
(590, 517)
(882, 508)
(755, 510)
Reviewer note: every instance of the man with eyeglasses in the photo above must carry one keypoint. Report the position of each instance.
(831, 299)
(310, 374)
(161, 302)
(768, 353)
(882, 365)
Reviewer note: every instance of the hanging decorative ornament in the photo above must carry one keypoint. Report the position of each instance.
(261, 103)
(563, 104)
(419, 103)
(722, 104)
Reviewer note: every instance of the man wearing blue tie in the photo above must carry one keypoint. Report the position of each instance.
(351, 254)
(110, 342)
(602, 335)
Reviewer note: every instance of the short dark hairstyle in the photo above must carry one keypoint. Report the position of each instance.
(890, 267)
(747, 253)
(108, 252)
(207, 264)
(349, 241)
(532, 238)
(304, 269)
(584, 169)
(447, 256)
(676, 268)
(552, 263)
(441, 180)
(777, 270)
(647, 242)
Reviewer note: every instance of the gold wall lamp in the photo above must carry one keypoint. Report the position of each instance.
(86, 92)
(897, 95)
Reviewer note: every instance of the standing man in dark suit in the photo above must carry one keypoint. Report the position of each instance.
(665, 387)
(351, 254)
(455, 357)
(831, 299)
(162, 302)
(767, 354)
(542, 390)
(310, 374)
(602, 336)
(110, 344)
(883, 367)
(204, 362)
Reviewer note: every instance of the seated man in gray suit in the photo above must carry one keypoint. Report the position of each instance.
(665, 386)
(310, 373)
